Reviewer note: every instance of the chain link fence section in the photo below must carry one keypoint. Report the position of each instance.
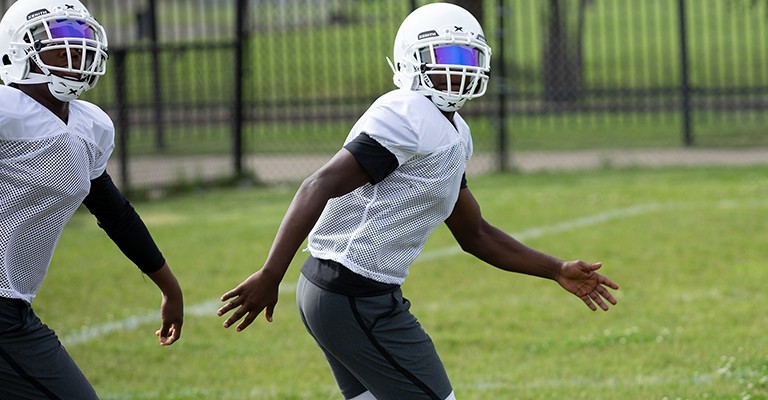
(210, 91)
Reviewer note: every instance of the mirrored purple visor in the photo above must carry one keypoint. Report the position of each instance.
(457, 55)
(66, 28)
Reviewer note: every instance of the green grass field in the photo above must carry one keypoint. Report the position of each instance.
(687, 246)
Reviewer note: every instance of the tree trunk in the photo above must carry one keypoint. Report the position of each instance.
(562, 66)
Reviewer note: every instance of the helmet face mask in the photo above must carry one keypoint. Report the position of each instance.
(61, 38)
(440, 51)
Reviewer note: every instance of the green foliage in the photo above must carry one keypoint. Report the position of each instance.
(687, 247)
(627, 44)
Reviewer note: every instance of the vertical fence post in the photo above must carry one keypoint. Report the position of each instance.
(500, 76)
(122, 124)
(241, 14)
(156, 81)
(685, 88)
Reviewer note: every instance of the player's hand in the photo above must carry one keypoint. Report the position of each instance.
(579, 277)
(172, 315)
(256, 293)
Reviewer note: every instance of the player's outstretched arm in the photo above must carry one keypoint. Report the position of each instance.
(488, 243)
(259, 292)
(478, 237)
(171, 307)
(122, 223)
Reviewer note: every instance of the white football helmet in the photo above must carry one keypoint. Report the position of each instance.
(32, 27)
(440, 51)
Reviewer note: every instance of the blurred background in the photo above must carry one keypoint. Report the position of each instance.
(207, 92)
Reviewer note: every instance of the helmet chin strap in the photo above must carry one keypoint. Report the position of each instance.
(402, 79)
(33, 78)
(62, 88)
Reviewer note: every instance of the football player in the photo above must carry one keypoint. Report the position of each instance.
(53, 157)
(369, 210)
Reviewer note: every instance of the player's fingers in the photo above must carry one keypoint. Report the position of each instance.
(607, 282)
(247, 321)
(174, 334)
(163, 339)
(268, 312)
(230, 294)
(227, 307)
(597, 299)
(164, 329)
(587, 266)
(606, 294)
(588, 302)
(234, 317)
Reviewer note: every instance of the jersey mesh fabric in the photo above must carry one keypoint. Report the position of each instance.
(45, 172)
(378, 230)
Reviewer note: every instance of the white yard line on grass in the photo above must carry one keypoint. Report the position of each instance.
(557, 228)
(90, 333)
(209, 307)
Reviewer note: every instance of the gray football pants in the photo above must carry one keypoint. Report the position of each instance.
(33, 363)
(373, 343)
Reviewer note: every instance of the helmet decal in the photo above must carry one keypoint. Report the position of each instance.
(428, 34)
(35, 14)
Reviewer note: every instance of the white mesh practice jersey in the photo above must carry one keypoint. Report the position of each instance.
(378, 229)
(46, 167)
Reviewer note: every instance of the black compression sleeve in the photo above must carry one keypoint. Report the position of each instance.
(115, 214)
(372, 156)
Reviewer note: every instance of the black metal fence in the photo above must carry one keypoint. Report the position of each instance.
(203, 91)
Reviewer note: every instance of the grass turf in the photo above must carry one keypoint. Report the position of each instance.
(687, 247)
